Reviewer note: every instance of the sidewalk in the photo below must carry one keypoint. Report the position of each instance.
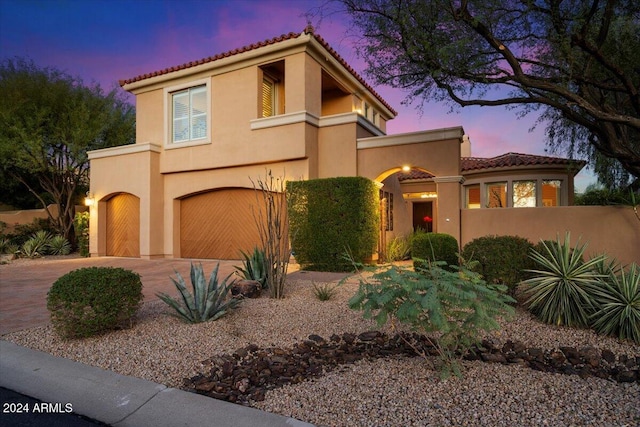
(93, 392)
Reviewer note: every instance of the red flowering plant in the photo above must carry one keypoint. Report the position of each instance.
(428, 220)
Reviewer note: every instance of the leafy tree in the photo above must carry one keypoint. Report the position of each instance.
(575, 61)
(48, 122)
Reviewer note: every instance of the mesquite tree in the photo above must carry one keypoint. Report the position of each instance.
(574, 61)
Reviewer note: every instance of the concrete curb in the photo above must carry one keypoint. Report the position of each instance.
(119, 400)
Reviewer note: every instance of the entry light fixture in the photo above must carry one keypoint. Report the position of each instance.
(89, 200)
(406, 168)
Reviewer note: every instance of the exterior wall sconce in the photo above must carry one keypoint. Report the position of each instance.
(89, 200)
(406, 168)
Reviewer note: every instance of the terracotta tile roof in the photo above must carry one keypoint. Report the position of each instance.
(308, 30)
(515, 159)
(468, 164)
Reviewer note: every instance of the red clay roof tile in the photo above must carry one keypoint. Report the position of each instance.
(253, 46)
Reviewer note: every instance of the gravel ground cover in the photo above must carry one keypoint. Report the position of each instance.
(393, 391)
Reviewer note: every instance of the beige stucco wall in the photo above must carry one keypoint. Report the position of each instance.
(607, 229)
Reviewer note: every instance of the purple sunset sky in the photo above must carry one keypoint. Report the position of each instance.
(109, 40)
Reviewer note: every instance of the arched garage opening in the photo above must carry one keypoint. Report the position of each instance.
(218, 224)
(123, 226)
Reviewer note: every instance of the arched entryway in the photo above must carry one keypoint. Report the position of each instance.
(123, 226)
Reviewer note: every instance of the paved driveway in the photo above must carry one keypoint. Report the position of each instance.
(24, 283)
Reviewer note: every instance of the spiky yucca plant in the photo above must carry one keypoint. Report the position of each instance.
(209, 300)
(561, 291)
(618, 302)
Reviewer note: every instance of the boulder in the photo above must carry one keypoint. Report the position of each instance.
(246, 288)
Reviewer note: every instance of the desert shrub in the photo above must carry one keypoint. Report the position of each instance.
(93, 300)
(434, 247)
(23, 232)
(253, 266)
(209, 299)
(501, 259)
(458, 305)
(562, 287)
(325, 291)
(399, 249)
(58, 245)
(618, 304)
(81, 227)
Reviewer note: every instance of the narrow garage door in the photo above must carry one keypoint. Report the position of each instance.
(218, 224)
(123, 226)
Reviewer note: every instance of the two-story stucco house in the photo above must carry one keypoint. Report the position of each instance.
(292, 105)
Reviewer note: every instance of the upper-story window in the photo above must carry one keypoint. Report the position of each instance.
(189, 114)
(272, 90)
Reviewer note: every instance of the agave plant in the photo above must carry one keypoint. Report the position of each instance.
(618, 301)
(59, 245)
(37, 244)
(254, 267)
(209, 299)
(561, 290)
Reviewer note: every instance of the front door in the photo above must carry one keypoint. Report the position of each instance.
(423, 216)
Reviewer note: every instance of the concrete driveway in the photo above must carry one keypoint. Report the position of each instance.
(24, 283)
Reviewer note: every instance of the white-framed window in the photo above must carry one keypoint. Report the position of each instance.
(187, 108)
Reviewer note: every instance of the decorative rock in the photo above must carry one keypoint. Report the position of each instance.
(591, 356)
(246, 288)
(608, 356)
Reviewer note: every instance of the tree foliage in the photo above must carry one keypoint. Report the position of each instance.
(575, 61)
(48, 122)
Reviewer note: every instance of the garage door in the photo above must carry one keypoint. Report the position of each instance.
(123, 226)
(218, 224)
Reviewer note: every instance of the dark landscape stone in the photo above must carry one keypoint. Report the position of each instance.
(246, 288)
(249, 372)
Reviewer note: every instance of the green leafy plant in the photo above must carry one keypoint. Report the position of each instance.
(501, 259)
(458, 305)
(81, 226)
(325, 291)
(93, 300)
(434, 247)
(618, 305)
(398, 249)
(209, 299)
(58, 245)
(253, 267)
(562, 287)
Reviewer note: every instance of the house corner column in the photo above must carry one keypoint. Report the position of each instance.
(448, 215)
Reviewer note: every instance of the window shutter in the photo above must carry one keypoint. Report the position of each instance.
(268, 98)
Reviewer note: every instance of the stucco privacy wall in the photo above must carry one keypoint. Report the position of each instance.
(27, 216)
(613, 230)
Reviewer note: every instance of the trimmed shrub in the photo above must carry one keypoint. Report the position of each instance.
(329, 217)
(434, 247)
(501, 259)
(93, 300)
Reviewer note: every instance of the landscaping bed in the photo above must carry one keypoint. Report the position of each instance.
(378, 381)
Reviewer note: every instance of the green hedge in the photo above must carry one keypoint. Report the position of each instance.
(327, 216)
(434, 247)
(501, 259)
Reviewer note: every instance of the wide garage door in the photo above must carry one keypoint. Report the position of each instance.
(123, 226)
(218, 224)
